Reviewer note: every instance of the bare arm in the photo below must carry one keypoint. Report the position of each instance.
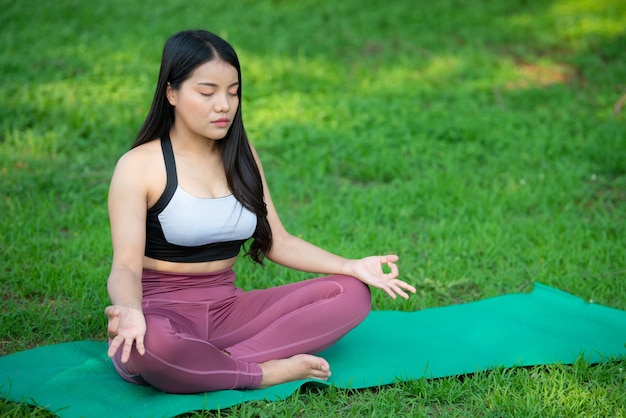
(296, 253)
(127, 212)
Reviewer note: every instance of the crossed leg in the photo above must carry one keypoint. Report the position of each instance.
(256, 339)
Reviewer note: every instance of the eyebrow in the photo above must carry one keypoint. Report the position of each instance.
(209, 84)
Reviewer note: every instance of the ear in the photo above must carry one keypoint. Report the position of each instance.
(170, 94)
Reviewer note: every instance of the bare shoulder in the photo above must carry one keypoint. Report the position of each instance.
(140, 161)
(141, 167)
(141, 157)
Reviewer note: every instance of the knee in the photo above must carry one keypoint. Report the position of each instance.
(355, 285)
(359, 292)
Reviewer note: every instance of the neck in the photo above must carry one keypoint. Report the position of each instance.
(189, 142)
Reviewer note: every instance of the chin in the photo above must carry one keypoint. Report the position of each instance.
(214, 137)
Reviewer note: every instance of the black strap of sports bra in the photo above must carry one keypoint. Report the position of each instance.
(170, 162)
(172, 178)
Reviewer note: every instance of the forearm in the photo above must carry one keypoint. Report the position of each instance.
(298, 254)
(124, 287)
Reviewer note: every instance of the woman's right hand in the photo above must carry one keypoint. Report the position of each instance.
(126, 326)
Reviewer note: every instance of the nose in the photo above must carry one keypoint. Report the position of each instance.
(222, 103)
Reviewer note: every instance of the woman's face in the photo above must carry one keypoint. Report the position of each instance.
(206, 103)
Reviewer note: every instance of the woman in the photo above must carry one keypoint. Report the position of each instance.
(182, 202)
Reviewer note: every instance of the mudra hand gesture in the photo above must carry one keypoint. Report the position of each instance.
(127, 326)
(370, 271)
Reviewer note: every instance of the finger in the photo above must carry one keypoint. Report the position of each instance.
(400, 286)
(388, 290)
(395, 288)
(404, 285)
(128, 346)
(115, 344)
(390, 258)
(112, 311)
(113, 326)
(400, 292)
(408, 287)
(393, 273)
(139, 345)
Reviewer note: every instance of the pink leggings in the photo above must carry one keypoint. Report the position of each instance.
(204, 334)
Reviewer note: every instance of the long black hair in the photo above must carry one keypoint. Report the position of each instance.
(182, 54)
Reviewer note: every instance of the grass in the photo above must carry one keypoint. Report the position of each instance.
(483, 142)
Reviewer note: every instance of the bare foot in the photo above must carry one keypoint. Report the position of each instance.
(298, 367)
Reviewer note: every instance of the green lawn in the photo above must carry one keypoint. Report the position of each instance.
(483, 141)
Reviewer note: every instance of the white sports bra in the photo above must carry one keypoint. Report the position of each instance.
(184, 228)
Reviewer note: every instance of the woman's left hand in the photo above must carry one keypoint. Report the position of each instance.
(370, 271)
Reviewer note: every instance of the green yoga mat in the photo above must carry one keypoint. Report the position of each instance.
(545, 326)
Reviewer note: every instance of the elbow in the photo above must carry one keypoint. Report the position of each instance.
(281, 241)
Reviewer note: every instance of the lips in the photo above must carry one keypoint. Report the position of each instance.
(222, 122)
